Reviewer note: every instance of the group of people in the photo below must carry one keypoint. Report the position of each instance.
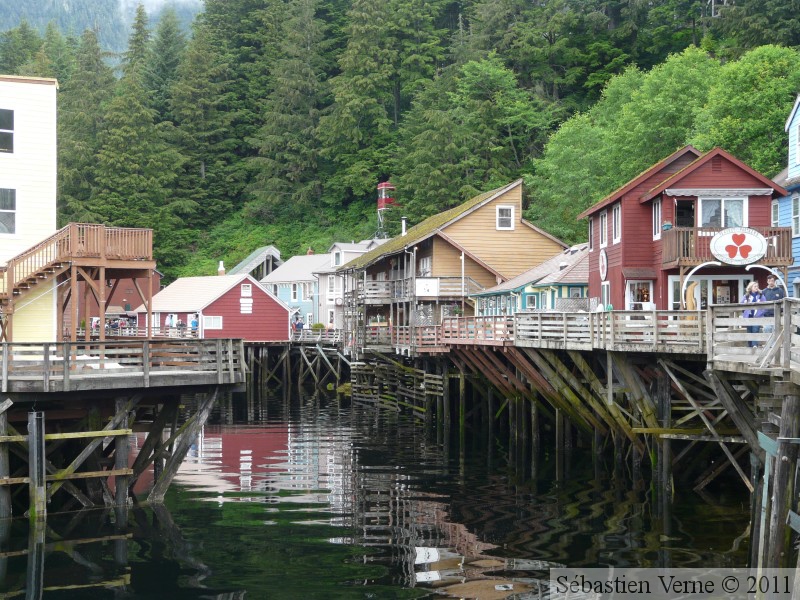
(753, 294)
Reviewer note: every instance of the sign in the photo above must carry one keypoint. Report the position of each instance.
(427, 286)
(738, 246)
(603, 260)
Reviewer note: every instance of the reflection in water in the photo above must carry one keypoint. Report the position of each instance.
(315, 499)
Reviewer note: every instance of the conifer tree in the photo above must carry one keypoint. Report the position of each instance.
(167, 47)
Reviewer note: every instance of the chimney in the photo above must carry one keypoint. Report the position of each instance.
(403, 221)
(221, 268)
(310, 251)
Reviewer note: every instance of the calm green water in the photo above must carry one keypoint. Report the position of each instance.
(313, 499)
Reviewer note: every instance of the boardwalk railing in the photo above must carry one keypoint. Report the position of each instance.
(70, 366)
(318, 336)
(76, 240)
(477, 330)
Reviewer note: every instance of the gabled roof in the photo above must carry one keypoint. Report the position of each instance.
(298, 268)
(795, 108)
(433, 225)
(255, 258)
(624, 189)
(669, 181)
(362, 246)
(193, 294)
(568, 267)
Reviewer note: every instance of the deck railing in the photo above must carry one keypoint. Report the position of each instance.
(318, 336)
(472, 330)
(59, 366)
(692, 245)
(76, 240)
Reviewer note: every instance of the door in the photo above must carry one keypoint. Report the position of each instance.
(639, 294)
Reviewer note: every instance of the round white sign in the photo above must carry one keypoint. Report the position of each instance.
(603, 259)
(738, 246)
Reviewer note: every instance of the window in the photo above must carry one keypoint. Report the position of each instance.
(247, 290)
(591, 234)
(795, 215)
(616, 223)
(530, 301)
(657, 219)
(774, 214)
(6, 130)
(294, 292)
(8, 211)
(604, 229)
(212, 322)
(425, 266)
(605, 293)
(723, 212)
(337, 259)
(505, 217)
(331, 286)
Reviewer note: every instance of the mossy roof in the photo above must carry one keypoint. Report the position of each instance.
(425, 229)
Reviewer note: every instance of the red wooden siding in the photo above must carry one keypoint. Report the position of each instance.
(269, 321)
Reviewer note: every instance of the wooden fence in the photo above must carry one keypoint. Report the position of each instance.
(71, 366)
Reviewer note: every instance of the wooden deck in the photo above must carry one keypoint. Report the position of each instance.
(120, 364)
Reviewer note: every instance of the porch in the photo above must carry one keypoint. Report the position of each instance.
(691, 246)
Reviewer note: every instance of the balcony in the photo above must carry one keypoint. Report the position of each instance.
(403, 290)
(690, 246)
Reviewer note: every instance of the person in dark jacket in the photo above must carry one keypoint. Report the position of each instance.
(753, 295)
(772, 293)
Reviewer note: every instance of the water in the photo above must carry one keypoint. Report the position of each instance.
(317, 499)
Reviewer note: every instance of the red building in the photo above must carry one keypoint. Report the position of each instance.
(222, 306)
(683, 233)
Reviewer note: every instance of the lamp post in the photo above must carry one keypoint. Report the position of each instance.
(774, 272)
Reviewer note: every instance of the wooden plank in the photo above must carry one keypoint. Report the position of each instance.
(68, 436)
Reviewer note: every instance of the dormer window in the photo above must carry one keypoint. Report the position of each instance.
(6, 130)
(505, 218)
(337, 259)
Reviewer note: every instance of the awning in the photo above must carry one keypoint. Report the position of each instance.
(639, 273)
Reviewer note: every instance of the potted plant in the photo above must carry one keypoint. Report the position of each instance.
(666, 225)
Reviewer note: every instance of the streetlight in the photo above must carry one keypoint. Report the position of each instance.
(689, 276)
(774, 272)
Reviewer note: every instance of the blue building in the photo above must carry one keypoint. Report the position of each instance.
(786, 210)
(294, 283)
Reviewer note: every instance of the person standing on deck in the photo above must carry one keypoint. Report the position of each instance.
(773, 293)
(753, 294)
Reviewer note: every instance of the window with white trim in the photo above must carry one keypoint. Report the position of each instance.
(605, 293)
(210, 322)
(295, 288)
(774, 214)
(425, 266)
(604, 229)
(530, 301)
(331, 287)
(591, 234)
(722, 212)
(505, 218)
(337, 258)
(8, 211)
(6, 130)
(657, 219)
(795, 215)
(616, 223)
(247, 290)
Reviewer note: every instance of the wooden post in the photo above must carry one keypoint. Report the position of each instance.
(36, 466)
(783, 486)
(34, 578)
(121, 450)
(5, 490)
(663, 400)
(462, 410)
(559, 445)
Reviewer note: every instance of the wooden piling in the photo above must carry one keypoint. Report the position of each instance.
(36, 467)
(121, 451)
(5, 491)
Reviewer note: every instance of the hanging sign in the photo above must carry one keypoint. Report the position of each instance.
(603, 264)
(738, 246)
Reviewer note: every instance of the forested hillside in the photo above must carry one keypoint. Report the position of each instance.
(274, 121)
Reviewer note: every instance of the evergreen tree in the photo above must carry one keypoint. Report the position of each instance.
(167, 46)
(82, 101)
(18, 47)
(137, 55)
(287, 180)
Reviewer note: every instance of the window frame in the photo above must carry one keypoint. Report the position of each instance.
(11, 211)
(247, 290)
(591, 234)
(212, 322)
(497, 217)
(774, 213)
(796, 215)
(616, 223)
(657, 217)
(603, 229)
(722, 201)
(8, 132)
(605, 293)
(337, 258)
(295, 293)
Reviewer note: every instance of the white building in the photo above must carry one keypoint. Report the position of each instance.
(28, 190)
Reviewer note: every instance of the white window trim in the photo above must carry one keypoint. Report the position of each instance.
(796, 215)
(605, 293)
(497, 217)
(657, 216)
(11, 131)
(247, 290)
(616, 223)
(774, 213)
(723, 200)
(337, 258)
(603, 229)
(212, 322)
(295, 292)
(591, 234)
